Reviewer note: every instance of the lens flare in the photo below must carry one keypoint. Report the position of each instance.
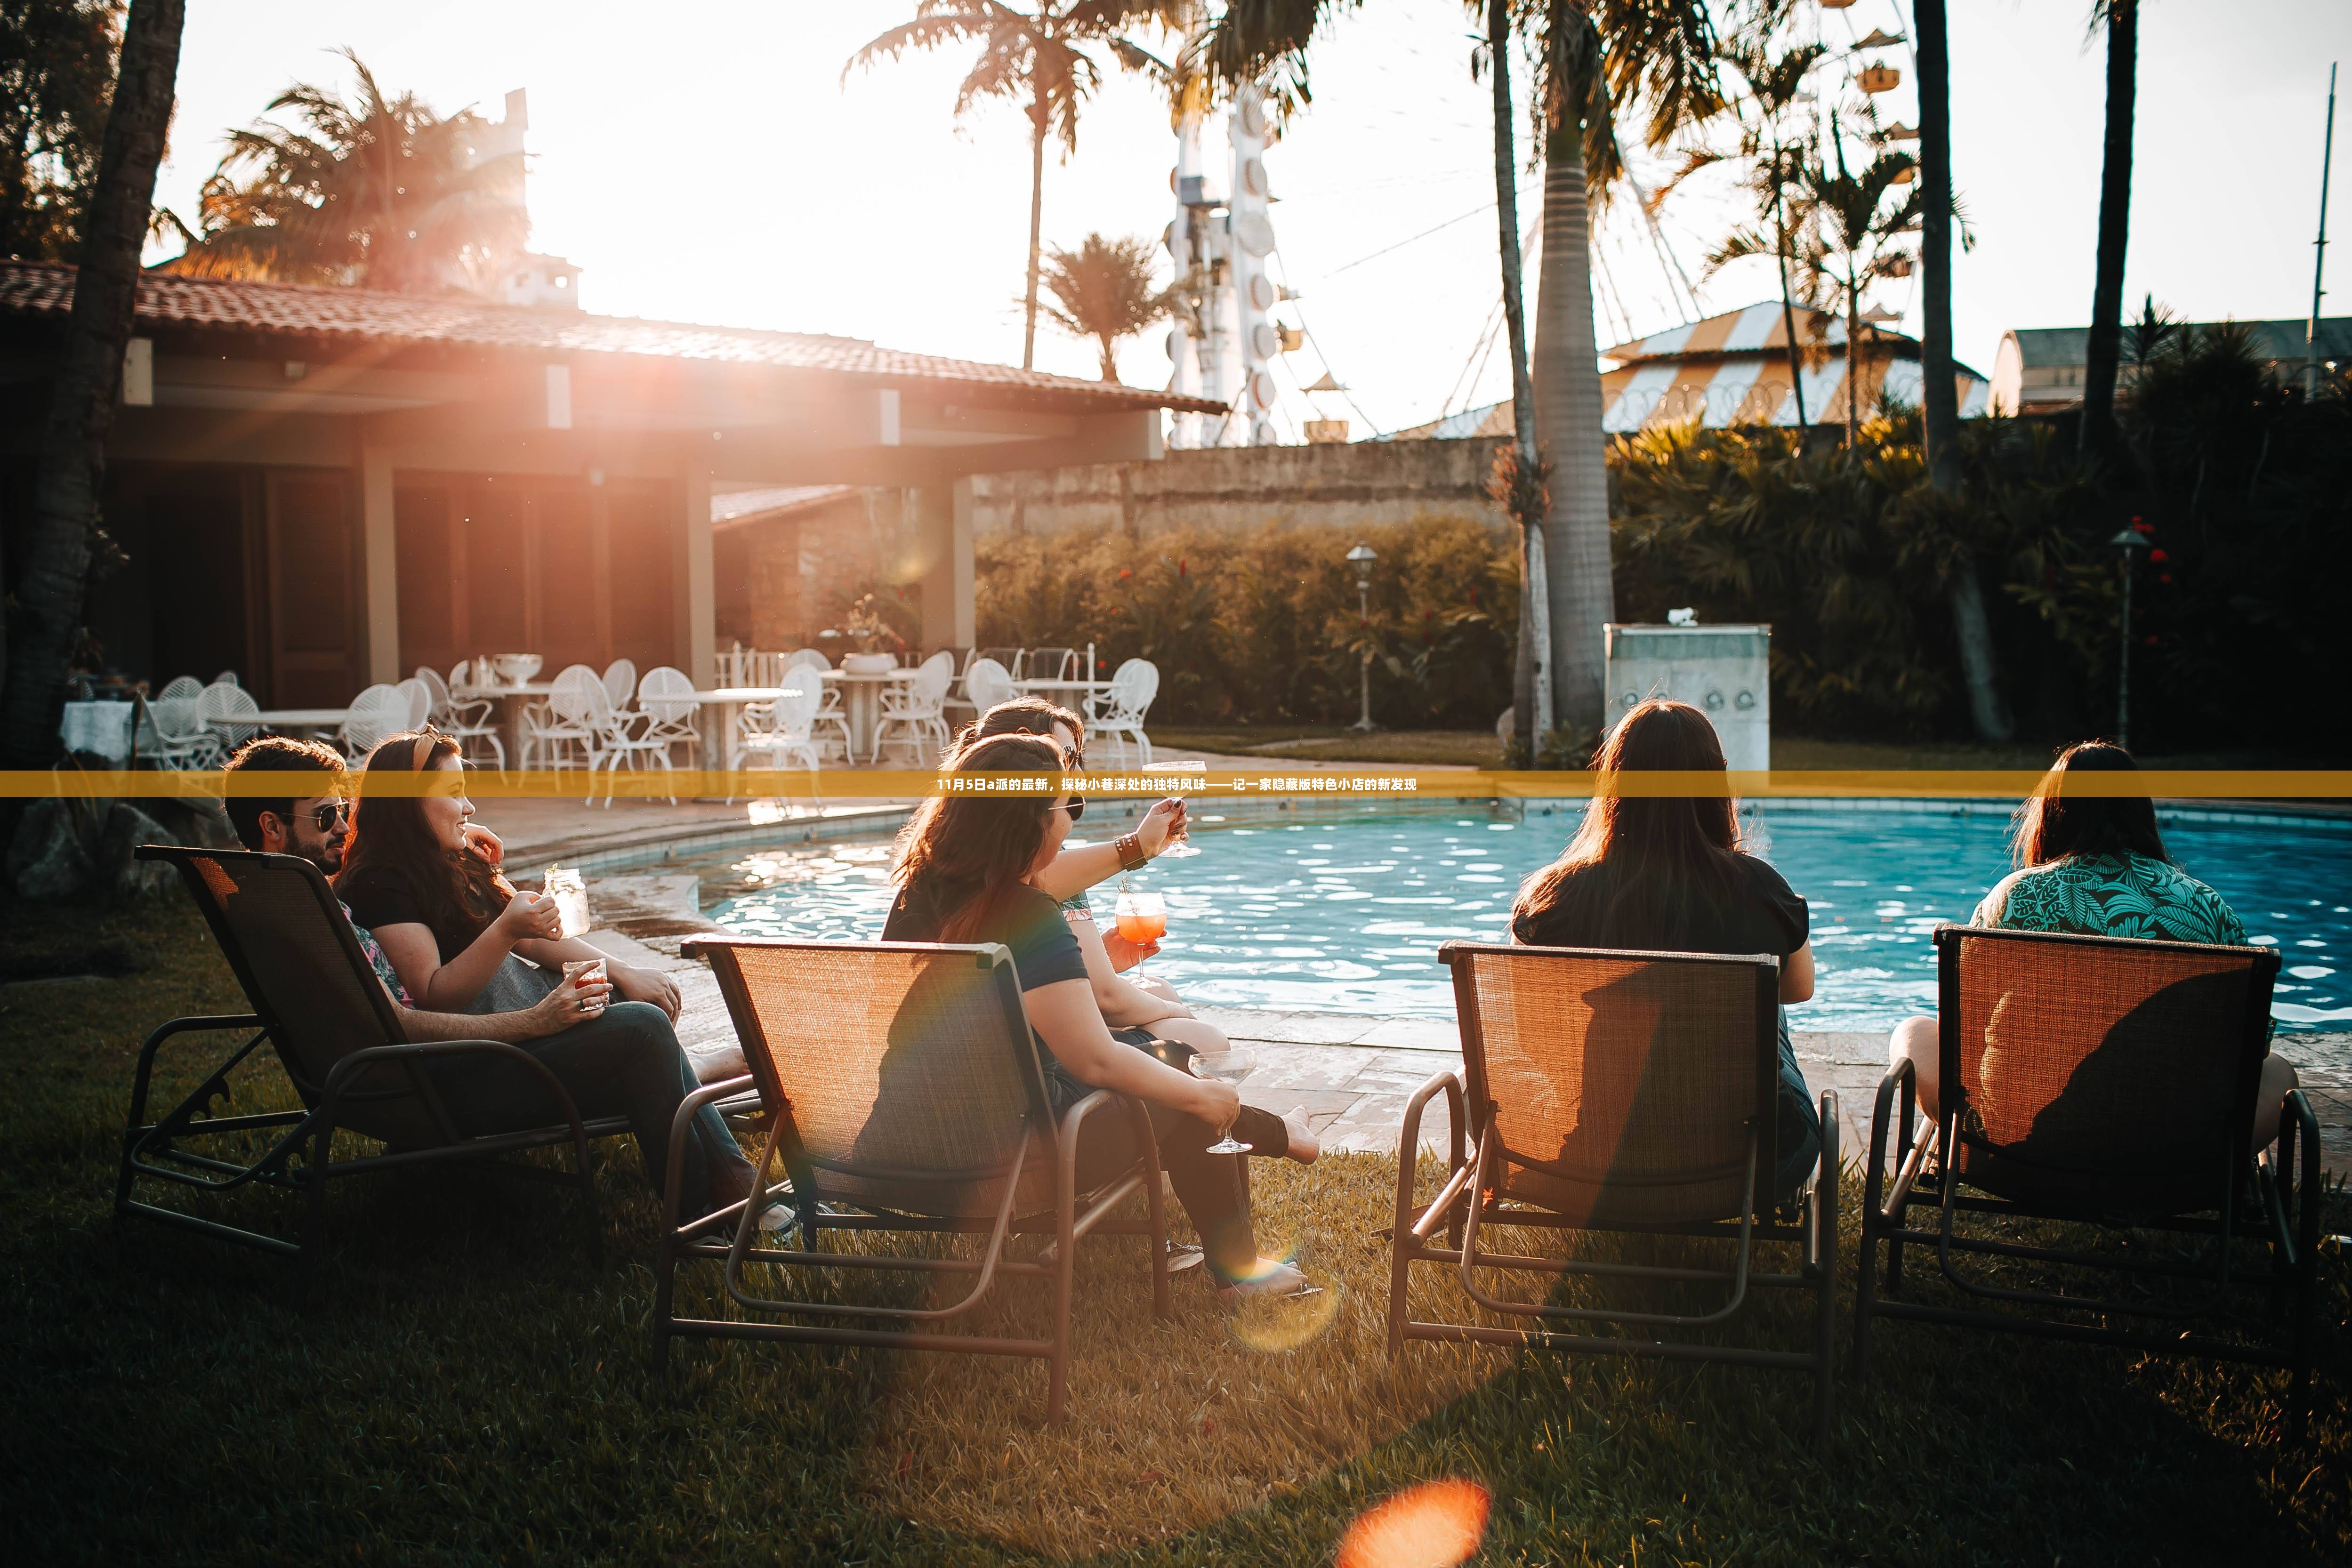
(1280, 1324)
(1437, 1525)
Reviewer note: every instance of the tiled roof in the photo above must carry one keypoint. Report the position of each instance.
(168, 300)
(741, 505)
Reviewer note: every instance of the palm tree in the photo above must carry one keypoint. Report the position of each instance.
(1038, 59)
(1860, 239)
(1103, 290)
(2121, 18)
(1595, 61)
(44, 601)
(1940, 395)
(57, 67)
(375, 192)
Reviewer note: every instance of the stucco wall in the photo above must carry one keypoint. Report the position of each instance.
(1333, 484)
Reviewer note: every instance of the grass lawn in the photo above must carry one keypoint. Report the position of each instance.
(462, 1387)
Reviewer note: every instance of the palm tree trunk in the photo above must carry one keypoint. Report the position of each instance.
(1568, 409)
(1530, 711)
(48, 598)
(1037, 219)
(2099, 427)
(1940, 398)
(1853, 359)
(1788, 305)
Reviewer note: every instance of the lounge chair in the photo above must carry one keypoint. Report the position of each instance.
(2105, 1082)
(326, 1017)
(908, 1098)
(1627, 1092)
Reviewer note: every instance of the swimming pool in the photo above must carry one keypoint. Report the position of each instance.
(1345, 915)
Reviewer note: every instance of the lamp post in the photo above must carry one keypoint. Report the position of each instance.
(1362, 559)
(2127, 541)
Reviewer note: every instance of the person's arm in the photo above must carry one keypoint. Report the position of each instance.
(416, 955)
(1122, 1005)
(1797, 975)
(635, 985)
(1064, 1014)
(553, 1013)
(1075, 870)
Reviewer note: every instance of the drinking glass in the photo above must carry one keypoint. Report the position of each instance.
(1194, 774)
(1228, 1066)
(1142, 918)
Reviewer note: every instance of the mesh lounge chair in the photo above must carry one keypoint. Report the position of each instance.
(2096, 1080)
(318, 1003)
(1624, 1092)
(909, 1100)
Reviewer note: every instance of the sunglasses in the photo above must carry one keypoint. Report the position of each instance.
(1076, 806)
(327, 813)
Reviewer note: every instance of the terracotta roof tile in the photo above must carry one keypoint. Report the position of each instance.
(45, 290)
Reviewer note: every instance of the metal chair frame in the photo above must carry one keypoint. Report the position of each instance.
(153, 1150)
(2285, 1186)
(1071, 1216)
(1474, 1196)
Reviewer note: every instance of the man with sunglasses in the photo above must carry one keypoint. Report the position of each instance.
(315, 828)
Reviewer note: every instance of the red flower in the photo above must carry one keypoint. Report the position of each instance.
(1124, 573)
(2151, 641)
(2140, 528)
(2157, 555)
(1179, 566)
(2166, 577)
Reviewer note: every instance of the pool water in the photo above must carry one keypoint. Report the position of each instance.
(1345, 915)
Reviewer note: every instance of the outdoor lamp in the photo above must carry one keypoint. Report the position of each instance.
(1362, 559)
(2126, 540)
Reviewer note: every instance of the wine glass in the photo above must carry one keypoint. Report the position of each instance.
(1142, 918)
(1180, 846)
(1231, 1065)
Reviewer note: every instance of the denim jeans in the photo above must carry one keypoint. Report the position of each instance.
(1800, 1124)
(624, 1063)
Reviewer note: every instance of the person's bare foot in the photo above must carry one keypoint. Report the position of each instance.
(1304, 1144)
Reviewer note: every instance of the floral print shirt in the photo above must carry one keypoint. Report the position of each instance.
(2111, 895)
(383, 970)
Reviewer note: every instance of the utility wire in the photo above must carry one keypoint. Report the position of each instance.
(1462, 217)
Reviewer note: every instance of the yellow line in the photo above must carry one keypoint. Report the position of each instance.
(1364, 783)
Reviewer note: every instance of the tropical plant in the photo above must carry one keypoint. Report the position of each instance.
(1862, 221)
(56, 72)
(376, 192)
(2121, 19)
(1039, 60)
(44, 606)
(1103, 290)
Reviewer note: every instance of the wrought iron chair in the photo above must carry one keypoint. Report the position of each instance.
(1118, 713)
(2108, 1083)
(1627, 1092)
(908, 1100)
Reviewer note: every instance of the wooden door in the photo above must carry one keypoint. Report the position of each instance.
(316, 639)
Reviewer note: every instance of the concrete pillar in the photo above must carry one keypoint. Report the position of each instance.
(695, 617)
(380, 568)
(943, 547)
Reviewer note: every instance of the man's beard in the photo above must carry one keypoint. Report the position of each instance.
(326, 857)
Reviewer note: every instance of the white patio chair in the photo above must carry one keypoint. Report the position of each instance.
(420, 701)
(1118, 712)
(727, 665)
(466, 723)
(777, 731)
(1048, 665)
(182, 740)
(226, 678)
(832, 720)
(914, 707)
(988, 682)
(230, 713)
(667, 697)
(620, 681)
(622, 738)
(375, 713)
(557, 732)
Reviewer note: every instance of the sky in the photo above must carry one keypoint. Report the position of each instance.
(708, 163)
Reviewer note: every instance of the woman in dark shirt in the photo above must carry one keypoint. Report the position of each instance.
(1666, 873)
(450, 924)
(962, 873)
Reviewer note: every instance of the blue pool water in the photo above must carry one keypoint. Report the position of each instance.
(1345, 915)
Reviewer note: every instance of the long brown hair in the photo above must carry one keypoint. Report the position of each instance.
(1667, 856)
(2054, 823)
(459, 890)
(968, 852)
(1023, 716)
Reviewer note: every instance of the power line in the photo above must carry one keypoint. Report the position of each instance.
(1462, 217)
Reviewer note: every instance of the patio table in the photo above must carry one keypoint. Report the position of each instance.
(862, 697)
(716, 711)
(312, 720)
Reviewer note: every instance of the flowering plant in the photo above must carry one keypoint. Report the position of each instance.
(865, 626)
